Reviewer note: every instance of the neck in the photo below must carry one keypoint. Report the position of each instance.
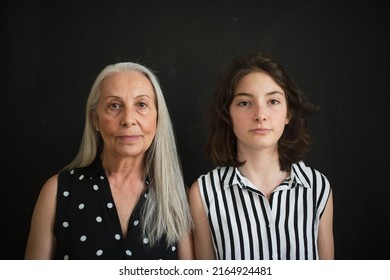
(260, 160)
(121, 166)
(262, 168)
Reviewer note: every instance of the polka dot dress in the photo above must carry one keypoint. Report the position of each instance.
(87, 224)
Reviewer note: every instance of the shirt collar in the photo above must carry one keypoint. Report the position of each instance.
(96, 169)
(241, 181)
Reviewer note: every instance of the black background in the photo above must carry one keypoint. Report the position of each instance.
(337, 51)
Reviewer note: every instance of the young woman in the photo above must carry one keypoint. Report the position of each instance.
(261, 201)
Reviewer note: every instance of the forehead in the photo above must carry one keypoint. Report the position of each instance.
(257, 81)
(127, 82)
(256, 78)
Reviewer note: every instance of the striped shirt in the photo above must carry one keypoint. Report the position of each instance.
(246, 225)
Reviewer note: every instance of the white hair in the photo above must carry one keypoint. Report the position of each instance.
(166, 213)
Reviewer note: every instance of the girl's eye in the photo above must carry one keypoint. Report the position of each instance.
(274, 102)
(243, 103)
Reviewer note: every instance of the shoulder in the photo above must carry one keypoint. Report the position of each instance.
(217, 172)
(50, 185)
(48, 191)
(194, 190)
(217, 179)
(311, 178)
(303, 171)
(75, 176)
(203, 181)
(72, 173)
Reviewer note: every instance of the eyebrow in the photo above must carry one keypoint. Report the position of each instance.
(118, 97)
(250, 94)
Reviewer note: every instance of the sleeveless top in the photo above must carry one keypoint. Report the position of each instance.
(87, 224)
(246, 225)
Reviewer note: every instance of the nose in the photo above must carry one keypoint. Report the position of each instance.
(128, 117)
(260, 114)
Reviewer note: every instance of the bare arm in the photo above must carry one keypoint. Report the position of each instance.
(203, 244)
(186, 248)
(325, 234)
(41, 240)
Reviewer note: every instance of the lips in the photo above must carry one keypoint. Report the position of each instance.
(260, 130)
(129, 138)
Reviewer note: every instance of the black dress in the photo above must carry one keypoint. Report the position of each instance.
(87, 224)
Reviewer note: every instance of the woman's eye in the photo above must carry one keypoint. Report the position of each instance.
(243, 103)
(142, 105)
(274, 101)
(114, 106)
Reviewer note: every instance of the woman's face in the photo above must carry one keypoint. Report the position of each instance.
(258, 112)
(126, 114)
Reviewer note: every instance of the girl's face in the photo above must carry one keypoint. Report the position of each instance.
(258, 112)
(126, 114)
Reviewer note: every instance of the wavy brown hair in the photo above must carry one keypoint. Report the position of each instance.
(295, 141)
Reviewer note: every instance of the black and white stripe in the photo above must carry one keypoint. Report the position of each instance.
(245, 225)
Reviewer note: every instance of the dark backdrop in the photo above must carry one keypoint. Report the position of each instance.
(337, 51)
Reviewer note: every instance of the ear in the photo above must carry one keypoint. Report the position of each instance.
(94, 119)
(287, 120)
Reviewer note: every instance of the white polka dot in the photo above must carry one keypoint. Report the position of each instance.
(173, 248)
(146, 240)
(109, 205)
(66, 257)
(95, 187)
(145, 195)
(128, 252)
(81, 177)
(117, 236)
(66, 193)
(102, 177)
(81, 206)
(65, 224)
(99, 252)
(136, 222)
(99, 219)
(83, 238)
(72, 171)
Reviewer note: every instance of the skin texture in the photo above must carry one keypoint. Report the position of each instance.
(259, 115)
(126, 118)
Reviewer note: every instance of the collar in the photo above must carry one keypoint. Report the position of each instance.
(95, 169)
(294, 180)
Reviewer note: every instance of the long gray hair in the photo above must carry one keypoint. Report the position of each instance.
(166, 213)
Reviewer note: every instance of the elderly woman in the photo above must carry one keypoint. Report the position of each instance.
(123, 196)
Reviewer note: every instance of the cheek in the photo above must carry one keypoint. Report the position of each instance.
(237, 125)
(234, 117)
(150, 124)
(107, 126)
(281, 116)
(240, 120)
